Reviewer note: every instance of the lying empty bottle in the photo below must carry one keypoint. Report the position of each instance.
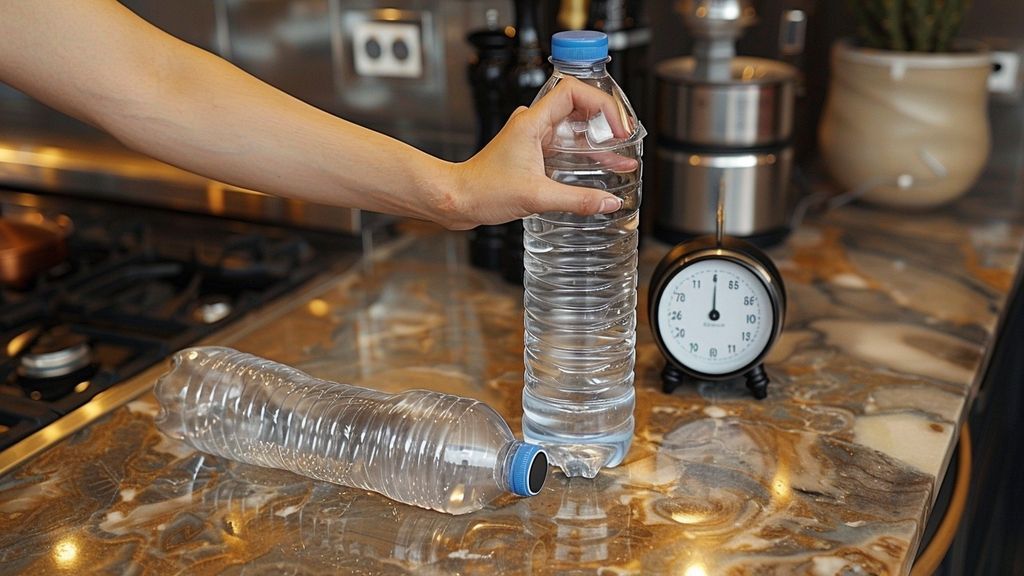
(435, 450)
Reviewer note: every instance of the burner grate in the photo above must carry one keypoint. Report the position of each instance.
(138, 285)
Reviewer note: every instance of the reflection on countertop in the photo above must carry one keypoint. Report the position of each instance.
(891, 320)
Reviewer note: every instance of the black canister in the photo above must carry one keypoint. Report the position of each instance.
(488, 78)
(528, 75)
(531, 69)
(488, 72)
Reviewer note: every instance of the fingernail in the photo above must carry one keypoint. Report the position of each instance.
(610, 205)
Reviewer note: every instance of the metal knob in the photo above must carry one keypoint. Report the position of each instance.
(717, 18)
(715, 25)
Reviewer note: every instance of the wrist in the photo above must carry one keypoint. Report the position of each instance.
(445, 187)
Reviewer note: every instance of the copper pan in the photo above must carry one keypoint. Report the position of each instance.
(29, 245)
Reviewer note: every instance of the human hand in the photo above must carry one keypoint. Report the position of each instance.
(506, 179)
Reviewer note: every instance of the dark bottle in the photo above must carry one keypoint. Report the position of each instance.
(488, 74)
(529, 74)
(495, 55)
(628, 40)
(531, 70)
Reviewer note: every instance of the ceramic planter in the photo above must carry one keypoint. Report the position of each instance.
(916, 118)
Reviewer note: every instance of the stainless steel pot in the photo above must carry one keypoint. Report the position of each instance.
(754, 109)
(732, 133)
(758, 197)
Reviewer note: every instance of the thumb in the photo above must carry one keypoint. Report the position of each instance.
(551, 196)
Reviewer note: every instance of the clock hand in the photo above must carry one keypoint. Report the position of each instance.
(714, 315)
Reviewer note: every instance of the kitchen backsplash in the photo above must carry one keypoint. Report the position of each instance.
(396, 66)
(410, 80)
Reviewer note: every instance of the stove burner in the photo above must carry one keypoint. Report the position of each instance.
(57, 353)
(48, 364)
(18, 344)
(137, 285)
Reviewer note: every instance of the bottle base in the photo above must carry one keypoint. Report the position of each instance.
(579, 459)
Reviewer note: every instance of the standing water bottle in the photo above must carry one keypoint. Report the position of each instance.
(580, 280)
(434, 450)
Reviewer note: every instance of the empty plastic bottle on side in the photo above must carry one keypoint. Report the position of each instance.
(434, 450)
(580, 281)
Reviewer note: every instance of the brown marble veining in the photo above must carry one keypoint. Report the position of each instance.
(890, 322)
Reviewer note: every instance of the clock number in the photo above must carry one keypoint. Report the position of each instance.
(694, 347)
(713, 352)
(734, 285)
(732, 348)
(680, 297)
(696, 283)
(749, 300)
(679, 333)
(751, 318)
(747, 336)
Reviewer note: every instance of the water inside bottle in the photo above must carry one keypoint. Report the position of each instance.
(580, 300)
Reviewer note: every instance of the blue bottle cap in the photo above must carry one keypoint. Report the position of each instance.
(581, 46)
(529, 470)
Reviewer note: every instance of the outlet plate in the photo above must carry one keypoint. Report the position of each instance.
(388, 49)
(1005, 77)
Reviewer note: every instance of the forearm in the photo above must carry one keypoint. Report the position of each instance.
(221, 122)
(196, 111)
(96, 60)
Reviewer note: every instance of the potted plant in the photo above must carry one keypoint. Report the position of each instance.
(905, 121)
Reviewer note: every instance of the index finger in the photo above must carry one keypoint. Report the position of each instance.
(571, 95)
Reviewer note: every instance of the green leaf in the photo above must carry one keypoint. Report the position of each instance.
(869, 33)
(920, 23)
(893, 24)
(949, 21)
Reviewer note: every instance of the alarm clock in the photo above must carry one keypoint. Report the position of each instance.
(716, 306)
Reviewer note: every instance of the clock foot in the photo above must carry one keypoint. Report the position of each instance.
(672, 378)
(757, 382)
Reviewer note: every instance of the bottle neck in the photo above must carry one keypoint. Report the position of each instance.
(505, 459)
(582, 69)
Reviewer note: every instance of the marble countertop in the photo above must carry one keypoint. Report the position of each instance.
(891, 320)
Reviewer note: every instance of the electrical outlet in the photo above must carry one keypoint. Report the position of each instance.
(387, 49)
(1005, 77)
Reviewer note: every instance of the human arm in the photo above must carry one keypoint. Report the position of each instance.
(99, 62)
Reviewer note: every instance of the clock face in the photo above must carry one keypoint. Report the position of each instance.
(715, 316)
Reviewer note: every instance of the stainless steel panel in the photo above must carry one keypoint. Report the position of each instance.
(758, 195)
(297, 45)
(287, 44)
(74, 159)
(194, 21)
(434, 111)
(755, 109)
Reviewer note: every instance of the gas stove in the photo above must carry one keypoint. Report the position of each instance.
(137, 285)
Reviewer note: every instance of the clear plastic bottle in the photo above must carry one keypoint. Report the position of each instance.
(580, 282)
(434, 450)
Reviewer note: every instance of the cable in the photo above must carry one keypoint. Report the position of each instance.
(903, 181)
(935, 552)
